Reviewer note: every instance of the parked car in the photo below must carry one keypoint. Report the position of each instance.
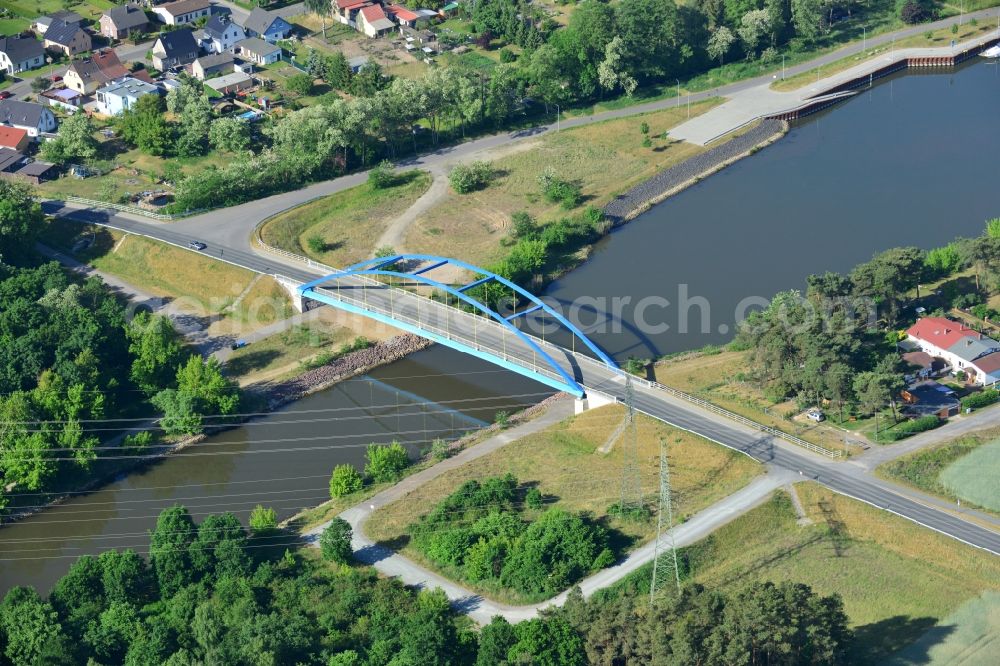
(55, 78)
(197, 245)
(815, 415)
(5, 94)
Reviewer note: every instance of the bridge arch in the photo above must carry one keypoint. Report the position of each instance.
(415, 268)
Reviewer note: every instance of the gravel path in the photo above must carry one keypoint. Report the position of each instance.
(642, 196)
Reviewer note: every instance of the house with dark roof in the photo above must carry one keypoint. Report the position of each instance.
(210, 66)
(67, 38)
(964, 349)
(219, 34)
(266, 25)
(42, 23)
(19, 54)
(31, 117)
(87, 75)
(175, 48)
(258, 51)
(183, 11)
(930, 399)
(124, 20)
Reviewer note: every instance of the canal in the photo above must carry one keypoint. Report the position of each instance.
(913, 161)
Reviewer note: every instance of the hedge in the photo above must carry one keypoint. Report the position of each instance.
(908, 428)
(981, 399)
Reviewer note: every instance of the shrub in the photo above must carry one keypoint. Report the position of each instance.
(300, 84)
(644, 128)
(344, 481)
(913, 12)
(381, 175)
(502, 418)
(263, 519)
(982, 399)
(908, 428)
(386, 463)
(965, 301)
(632, 514)
(316, 244)
(440, 449)
(523, 225)
(555, 189)
(533, 498)
(636, 365)
(506, 55)
(335, 542)
(472, 177)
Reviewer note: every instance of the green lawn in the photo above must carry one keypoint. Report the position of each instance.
(967, 636)
(897, 579)
(29, 9)
(283, 351)
(12, 26)
(965, 468)
(348, 223)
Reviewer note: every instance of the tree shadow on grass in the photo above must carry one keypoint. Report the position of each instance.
(874, 643)
(251, 361)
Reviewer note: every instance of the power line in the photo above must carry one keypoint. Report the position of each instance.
(664, 557)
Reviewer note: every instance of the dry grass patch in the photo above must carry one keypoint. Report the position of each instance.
(348, 223)
(896, 578)
(473, 226)
(716, 377)
(564, 464)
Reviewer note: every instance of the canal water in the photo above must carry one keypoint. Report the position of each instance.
(913, 161)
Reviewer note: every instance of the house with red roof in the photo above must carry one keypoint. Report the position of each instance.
(374, 18)
(373, 21)
(14, 138)
(963, 348)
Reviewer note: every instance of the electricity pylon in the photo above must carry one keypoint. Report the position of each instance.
(664, 554)
(631, 497)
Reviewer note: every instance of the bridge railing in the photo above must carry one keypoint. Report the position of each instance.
(556, 350)
(125, 208)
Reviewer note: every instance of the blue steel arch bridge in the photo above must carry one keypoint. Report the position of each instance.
(381, 289)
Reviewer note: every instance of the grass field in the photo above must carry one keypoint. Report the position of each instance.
(975, 477)
(284, 350)
(473, 226)
(716, 378)
(349, 222)
(564, 463)
(897, 579)
(265, 303)
(967, 637)
(29, 9)
(971, 479)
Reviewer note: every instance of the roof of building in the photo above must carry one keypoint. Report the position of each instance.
(61, 15)
(9, 158)
(35, 168)
(989, 363)
(25, 114)
(11, 136)
(217, 25)
(62, 32)
(919, 359)
(940, 332)
(351, 4)
(178, 41)
(216, 60)
(257, 46)
(19, 49)
(358, 62)
(220, 82)
(403, 13)
(125, 17)
(64, 94)
(930, 398)
(973, 346)
(182, 7)
(102, 66)
(376, 18)
(260, 20)
(129, 87)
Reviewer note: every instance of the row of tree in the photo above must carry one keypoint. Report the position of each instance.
(213, 593)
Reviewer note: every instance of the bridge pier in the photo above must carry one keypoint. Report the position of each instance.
(592, 401)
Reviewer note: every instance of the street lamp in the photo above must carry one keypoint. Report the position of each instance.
(678, 92)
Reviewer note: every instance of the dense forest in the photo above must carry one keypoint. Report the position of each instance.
(73, 364)
(215, 594)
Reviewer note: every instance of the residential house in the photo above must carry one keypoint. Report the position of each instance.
(266, 25)
(173, 49)
(15, 166)
(35, 172)
(14, 138)
(347, 11)
(65, 99)
(124, 20)
(963, 348)
(210, 66)
(87, 75)
(121, 95)
(31, 117)
(230, 83)
(67, 38)
(219, 34)
(373, 21)
(183, 12)
(42, 23)
(257, 50)
(930, 399)
(18, 54)
(404, 17)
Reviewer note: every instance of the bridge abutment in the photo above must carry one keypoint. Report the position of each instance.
(591, 401)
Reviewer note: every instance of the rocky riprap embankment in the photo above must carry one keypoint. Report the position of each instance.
(343, 368)
(640, 197)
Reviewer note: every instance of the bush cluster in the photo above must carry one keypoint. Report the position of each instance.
(908, 428)
(472, 177)
(982, 399)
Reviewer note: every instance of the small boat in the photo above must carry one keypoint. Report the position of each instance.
(992, 52)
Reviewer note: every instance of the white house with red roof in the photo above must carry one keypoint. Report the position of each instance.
(374, 18)
(963, 348)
